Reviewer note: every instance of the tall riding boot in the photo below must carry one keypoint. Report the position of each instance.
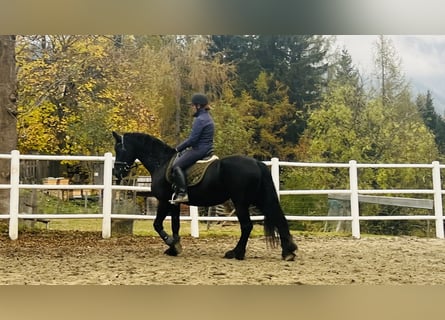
(180, 183)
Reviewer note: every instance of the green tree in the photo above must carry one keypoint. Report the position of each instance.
(140, 70)
(381, 130)
(332, 129)
(298, 62)
(63, 87)
(76, 89)
(432, 119)
(344, 70)
(390, 136)
(193, 69)
(233, 134)
(268, 116)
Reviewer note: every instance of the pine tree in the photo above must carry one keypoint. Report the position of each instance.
(432, 119)
(388, 72)
(295, 61)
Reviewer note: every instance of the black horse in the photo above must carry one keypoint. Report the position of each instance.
(244, 180)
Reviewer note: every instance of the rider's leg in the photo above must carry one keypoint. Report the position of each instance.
(180, 185)
(181, 163)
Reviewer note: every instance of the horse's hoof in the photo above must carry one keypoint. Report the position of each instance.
(233, 255)
(229, 255)
(289, 257)
(171, 251)
(178, 247)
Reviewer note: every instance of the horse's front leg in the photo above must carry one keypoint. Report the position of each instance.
(175, 245)
(172, 241)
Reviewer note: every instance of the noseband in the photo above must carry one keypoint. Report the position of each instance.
(122, 166)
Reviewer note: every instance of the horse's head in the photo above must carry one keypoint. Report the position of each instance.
(125, 158)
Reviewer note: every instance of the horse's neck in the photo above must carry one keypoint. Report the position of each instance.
(153, 163)
(154, 155)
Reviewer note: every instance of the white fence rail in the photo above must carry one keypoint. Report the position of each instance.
(107, 194)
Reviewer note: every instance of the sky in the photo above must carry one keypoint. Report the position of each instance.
(422, 61)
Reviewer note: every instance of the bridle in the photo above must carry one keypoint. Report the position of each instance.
(123, 167)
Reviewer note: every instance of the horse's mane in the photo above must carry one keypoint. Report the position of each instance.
(144, 139)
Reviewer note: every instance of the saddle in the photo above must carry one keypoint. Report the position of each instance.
(195, 172)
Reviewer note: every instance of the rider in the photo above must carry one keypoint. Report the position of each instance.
(197, 146)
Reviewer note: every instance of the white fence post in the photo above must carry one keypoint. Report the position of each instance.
(107, 196)
(194, 225)
(437, 186)
(353, 182)
(275, 171)
(14, 196)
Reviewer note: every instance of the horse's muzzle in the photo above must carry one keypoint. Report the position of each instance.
(121, 170)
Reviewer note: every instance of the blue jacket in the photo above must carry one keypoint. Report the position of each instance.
(201, 136)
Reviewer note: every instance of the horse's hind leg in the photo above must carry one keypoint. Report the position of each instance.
(276, 221)
(288, 245)
(288, 248)
(239, 251)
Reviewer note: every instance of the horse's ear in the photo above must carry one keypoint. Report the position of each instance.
(117, 137)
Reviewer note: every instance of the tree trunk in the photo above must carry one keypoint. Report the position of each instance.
(8, 112)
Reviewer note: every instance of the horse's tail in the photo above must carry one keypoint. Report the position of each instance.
(269, 205)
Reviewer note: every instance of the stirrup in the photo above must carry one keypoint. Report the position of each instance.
(207, 159)
(177, 199)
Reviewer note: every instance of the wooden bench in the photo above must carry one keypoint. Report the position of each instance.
(343, 208)
(389, 201)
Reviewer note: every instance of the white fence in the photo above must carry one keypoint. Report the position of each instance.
(107, 189)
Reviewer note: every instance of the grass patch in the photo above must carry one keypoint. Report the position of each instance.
(93, 225)
(47, 203)
(145, 227)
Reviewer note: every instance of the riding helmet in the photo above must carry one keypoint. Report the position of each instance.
(199, 98)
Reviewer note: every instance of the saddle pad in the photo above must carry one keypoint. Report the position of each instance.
(194, 173)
